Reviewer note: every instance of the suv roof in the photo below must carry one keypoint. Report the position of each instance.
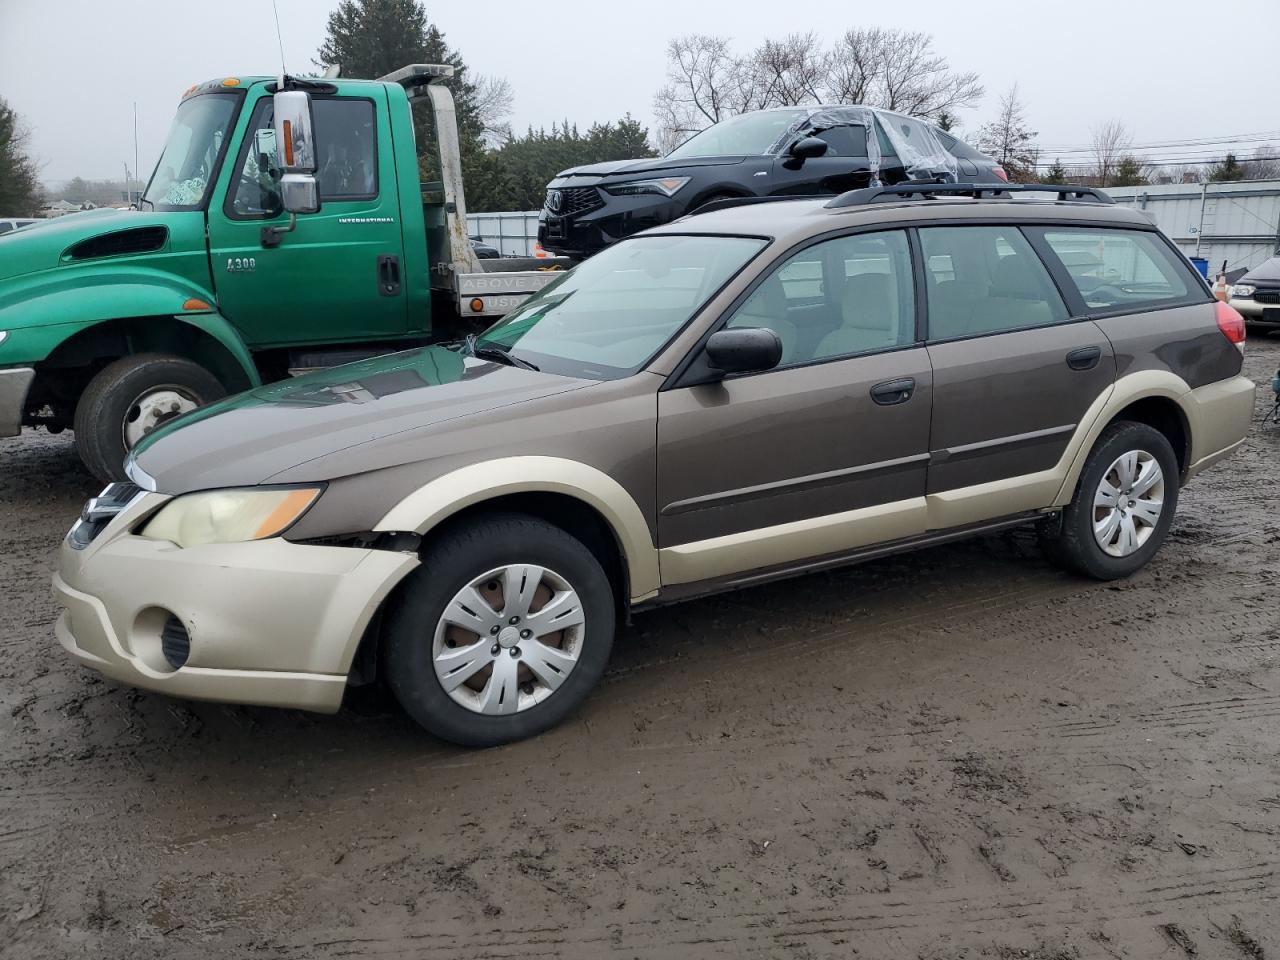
(804, 216)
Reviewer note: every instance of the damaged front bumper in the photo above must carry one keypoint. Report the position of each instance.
(262, 622)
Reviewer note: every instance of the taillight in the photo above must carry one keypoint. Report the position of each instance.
(1230, 322)
(999, 172)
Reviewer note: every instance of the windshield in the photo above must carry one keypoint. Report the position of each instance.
(745, 134)
(191, 153)
(609, 315)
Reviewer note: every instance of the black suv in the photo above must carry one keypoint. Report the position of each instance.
(784, 151)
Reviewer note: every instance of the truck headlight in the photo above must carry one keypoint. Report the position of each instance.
(230, 516)
(666, 186)
(1243, 290)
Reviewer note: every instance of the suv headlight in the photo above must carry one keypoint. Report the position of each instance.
(1243, 290)
(666, 186)
(230, 516)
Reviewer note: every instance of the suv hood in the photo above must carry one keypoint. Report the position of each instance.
(250, 438)
(630, 168)
(1268, 272)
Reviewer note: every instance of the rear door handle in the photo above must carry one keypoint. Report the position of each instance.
(1086, 358)
(893, 391)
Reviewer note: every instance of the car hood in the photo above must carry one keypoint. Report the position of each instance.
(1268, 272)
(250, 438)
(629, 168)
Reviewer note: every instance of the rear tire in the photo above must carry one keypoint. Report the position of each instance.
(460, 620)
(1123, 505)
(131, 397)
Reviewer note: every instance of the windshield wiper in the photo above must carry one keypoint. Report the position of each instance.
(496, 353)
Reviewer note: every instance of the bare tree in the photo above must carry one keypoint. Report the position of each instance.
(916, 80)
(493, 99)
(789, 71)
(1264, 164)
(1010, 140)
(896, 69)
(1110, 142)
(701, 71)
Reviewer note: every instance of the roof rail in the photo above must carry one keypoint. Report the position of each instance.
(902, 191)
(724, 203)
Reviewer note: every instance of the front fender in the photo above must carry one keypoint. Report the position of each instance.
(44, 310)
(441, 498)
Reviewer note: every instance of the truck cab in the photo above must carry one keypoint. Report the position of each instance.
(285, 227)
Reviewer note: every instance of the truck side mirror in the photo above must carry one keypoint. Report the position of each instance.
(296, 151)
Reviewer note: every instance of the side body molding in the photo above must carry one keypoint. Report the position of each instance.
(437, 500)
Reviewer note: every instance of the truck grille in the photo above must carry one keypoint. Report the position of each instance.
(573, 201)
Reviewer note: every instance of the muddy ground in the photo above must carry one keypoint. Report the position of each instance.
(959, 753)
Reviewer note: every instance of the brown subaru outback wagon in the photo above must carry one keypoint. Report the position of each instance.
(750, 393)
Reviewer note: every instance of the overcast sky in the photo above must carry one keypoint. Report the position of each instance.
(73, 68)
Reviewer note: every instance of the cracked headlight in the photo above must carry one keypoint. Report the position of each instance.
(230, 516)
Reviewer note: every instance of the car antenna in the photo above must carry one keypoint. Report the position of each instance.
(284, 71)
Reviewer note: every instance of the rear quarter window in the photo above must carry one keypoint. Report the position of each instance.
(1114, 269)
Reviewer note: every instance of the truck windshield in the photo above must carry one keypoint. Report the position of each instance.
(196, 141)
(608, 316)
(743, 135)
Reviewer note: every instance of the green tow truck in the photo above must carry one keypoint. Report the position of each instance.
(285, 228)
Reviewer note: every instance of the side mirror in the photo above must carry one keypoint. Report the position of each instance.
(296, 151)
(807, 148)
(743, 350)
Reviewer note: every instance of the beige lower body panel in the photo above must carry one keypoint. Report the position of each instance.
(788, 542)
(270, 622)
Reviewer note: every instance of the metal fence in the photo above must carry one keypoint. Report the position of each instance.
(513, 233)
(1235, 222)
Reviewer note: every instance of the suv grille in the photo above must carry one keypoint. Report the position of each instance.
(572, 201)
(1267, 296)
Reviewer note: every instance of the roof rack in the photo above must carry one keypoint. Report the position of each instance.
(902, 191)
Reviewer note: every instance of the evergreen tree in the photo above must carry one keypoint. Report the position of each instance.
(1056, 173)
(1229, 169)
(1128, 173)
(20, 194)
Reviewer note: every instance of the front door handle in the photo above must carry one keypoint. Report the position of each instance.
(388, 276)
(1086, 358)
(893, 391)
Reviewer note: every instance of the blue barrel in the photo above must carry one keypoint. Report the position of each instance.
(1201, 264)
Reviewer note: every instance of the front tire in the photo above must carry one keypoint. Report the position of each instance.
(501, 632)
(131, 397)
(1123, 505)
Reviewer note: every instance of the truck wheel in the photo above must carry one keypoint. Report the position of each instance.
(502, 631)
(130, 398)
(1123, 505)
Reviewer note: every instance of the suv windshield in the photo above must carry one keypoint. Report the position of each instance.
(191, 153)
(745, 134)
(609, 315)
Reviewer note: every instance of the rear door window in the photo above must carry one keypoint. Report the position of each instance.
(1116, 269)
(982, 280)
